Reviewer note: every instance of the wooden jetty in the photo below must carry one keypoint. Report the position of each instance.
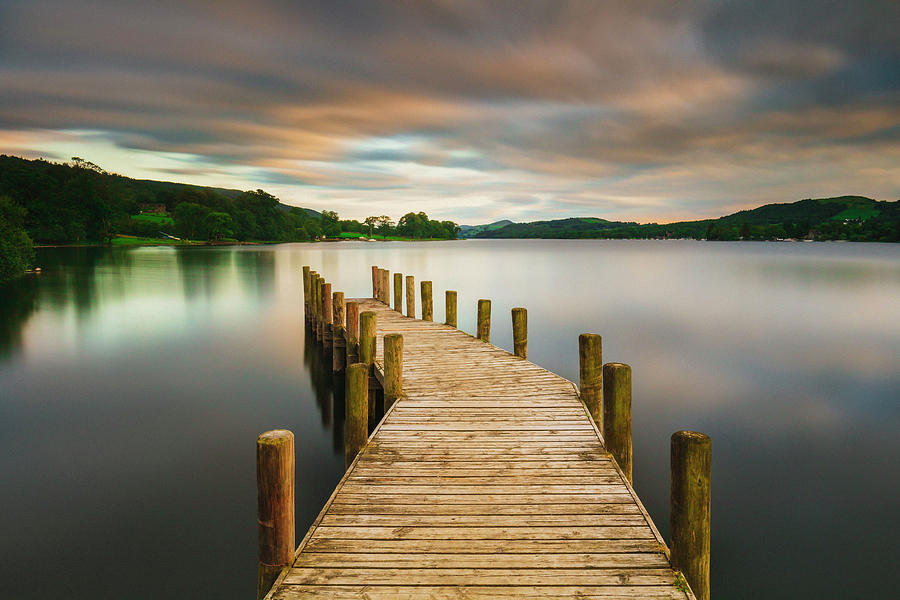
(487, 477)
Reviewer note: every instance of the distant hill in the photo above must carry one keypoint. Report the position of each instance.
(466, 231)
(853, 218)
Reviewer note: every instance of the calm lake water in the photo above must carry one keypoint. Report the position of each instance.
(133, 383)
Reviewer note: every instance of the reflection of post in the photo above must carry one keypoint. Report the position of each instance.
(275, 505)
(520, 332)
(352, 333)
(427, 302)
(398, 292)
(484, 320)
(590, 370)
(410, 297)
(617, 414)
(690, 498)
(357, 403)
(450, 308)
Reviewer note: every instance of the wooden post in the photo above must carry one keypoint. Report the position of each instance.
(357, 395)
(327, 321)
(275, 505)
(450, 307)
(352, 332)
(520, 332)
(617, 414)
(375, 282)
(393, 368)
(320, 314)
(367, 338)
(386, 286)
(484, 320)
(690, 498)
(338, 341)
(313, 278)
(427, 302)
(410, 297)
(398, 292)
(590, 363)
(306, 292)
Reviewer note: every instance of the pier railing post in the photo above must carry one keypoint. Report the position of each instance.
(393, 368)
(375, 282)
(617, 414)
(367, 338)
(427, 302)
(590, 370)
(357, 421)
(327, 321)
(306, 292)
(484, 320)
(275, 505)
(398, 292)
(410, 296)
(450, 307)
(338, 341)
(352, 332)
(520, 332)
(690, 498)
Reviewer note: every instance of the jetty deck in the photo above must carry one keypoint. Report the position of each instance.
(487, 479)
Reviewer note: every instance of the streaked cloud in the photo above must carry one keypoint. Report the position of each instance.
(646, 110)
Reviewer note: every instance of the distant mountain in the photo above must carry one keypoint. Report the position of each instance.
(473, 230)
(853, 218)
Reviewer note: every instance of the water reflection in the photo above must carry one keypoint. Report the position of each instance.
(18, 301)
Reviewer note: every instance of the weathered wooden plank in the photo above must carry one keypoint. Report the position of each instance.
(484, 533)
(529, 547)
(371, 576)
(470, 592)
(424, 560)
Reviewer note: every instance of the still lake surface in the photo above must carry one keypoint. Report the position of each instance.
(133, 383)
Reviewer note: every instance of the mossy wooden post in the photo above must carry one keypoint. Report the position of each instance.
(450, 308)
(320, 281)
(367, 338)
(357, 423)
(393, 368)
(427, 302)
(690, 498)
(306, 292)
(338, 341)
(275, 505)
(327, 322)
(352, 332)
(520, 332)
(410, 296)
(386, 286)
(375, 282)
(398, 292)
(590, 363)
(313, 277)
(484, 320)
(617, 414)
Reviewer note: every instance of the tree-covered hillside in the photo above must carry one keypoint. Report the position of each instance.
(853, 218)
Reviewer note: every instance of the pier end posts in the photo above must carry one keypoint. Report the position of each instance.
(617, 415)
(590, 370)
(410, 296)
(690, 499)
(306, 292)
(386, 286)
(484, 320)
(367, 338)
(327, 321)
(338, 340)
(357, 422)
(450, 308)
(398, 292)
(393, 368)
(427, 302)
(375, 282)
(275, 505)
(352, 332)
(520, 332)
(320, 281)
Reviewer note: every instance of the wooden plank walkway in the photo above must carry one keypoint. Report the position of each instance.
(488, 479)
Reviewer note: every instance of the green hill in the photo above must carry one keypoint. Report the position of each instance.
(467, 231)
(853, 218)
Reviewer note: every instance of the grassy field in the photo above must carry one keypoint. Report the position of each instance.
(129, 240)
(156, 219)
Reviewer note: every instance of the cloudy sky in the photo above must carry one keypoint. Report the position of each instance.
(471, 111)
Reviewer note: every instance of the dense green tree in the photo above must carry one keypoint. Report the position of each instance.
(16, 252)
(331, 226)
(218, 225)
(190, 220)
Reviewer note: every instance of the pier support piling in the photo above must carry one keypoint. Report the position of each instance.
(327, 322)
(352, 332)
(375, 282)
(275, 505)
(450, 308)
(690, 499)
(410, 296)
(427, 302)
(306, 292)
(520, 332)
(484, 320)
(393, 368)
(617, 415)
(338, 340)
(398, 292)
(357, 421)
(590, 371)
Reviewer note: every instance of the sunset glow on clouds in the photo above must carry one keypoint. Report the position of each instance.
(471, 111)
